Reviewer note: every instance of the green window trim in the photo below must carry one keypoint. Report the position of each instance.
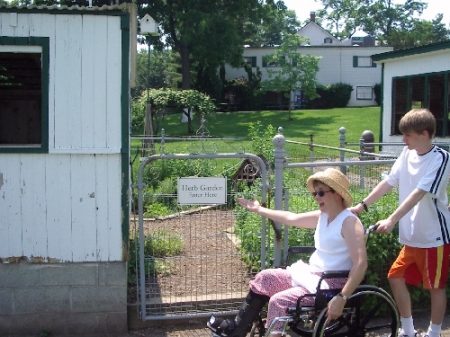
(356, 63)
(42, 42)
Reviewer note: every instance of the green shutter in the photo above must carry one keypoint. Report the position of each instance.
(355, 61)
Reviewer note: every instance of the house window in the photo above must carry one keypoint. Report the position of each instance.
(269, 62)
(250, 60)
(328, 40)
(364, 93)
(429, 91)
(363, 62)
(23, 94)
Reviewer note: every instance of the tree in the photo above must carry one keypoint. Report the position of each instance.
(420, 32)
(390, 23)
(293, 71)
(275, 22)
(206, 30)
(162, 72)
(380, 17)
(340, 17)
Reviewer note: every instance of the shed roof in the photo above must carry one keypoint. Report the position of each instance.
(9, 7)
(438, 46)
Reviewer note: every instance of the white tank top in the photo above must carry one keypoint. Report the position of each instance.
(331, 250)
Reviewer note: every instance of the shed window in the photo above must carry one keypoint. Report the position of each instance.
(429, 91)
(23, 92)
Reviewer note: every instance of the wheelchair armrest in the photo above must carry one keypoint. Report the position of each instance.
(335, 274)
(301, 249)
(298, 250)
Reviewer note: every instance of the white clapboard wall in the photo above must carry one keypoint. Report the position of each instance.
(65, 206)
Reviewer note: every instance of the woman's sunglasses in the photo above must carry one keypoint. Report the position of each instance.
(320, 193)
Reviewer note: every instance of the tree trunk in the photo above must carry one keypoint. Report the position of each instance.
(185, 67)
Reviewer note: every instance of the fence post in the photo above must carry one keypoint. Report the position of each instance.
(342, 142)
(279, 158)
(311, 151)
(362, 168)
(163, 140)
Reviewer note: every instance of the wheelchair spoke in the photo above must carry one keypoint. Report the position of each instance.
(370, 311)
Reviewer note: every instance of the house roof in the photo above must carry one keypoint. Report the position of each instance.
(438, 46)
(312, 25)
(8, 8)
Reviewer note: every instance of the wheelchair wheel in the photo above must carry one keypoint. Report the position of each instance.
(369, 311)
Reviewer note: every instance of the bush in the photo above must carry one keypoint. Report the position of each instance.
(158, 245)
(332, 96)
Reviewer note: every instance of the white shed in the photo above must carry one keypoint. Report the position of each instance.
(415, 78)
(64, 168)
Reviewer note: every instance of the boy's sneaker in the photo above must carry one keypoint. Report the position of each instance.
(401, 333)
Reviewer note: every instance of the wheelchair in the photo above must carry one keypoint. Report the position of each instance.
(370, 310)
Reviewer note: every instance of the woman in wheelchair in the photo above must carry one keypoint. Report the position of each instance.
(340, 245)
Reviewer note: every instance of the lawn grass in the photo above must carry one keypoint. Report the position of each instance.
(323, 124)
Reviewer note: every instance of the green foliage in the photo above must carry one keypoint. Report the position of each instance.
(137, 116)
(196, 102)
(159, 245)
(156, 70)
(208, 32)
(156, 210)
(293, 70)
(417, 33)
(391, 23)
(332, 96)
(261, 137)
(275, 22)
(247, 92)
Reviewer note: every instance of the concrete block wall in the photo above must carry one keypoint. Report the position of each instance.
(65, 299)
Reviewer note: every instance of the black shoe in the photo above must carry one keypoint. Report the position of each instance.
(220, 327)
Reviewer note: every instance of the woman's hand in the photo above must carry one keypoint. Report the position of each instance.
(251, 205)
(335, 308)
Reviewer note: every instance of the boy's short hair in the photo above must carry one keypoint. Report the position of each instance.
(418, 121)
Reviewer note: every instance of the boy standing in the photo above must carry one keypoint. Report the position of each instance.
(421, 173)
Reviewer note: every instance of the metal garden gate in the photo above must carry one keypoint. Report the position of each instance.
(190, 263)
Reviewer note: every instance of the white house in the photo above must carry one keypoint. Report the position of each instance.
(415, 78)
(64, 168)
(346, 61)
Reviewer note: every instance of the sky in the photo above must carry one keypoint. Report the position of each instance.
(304, 7)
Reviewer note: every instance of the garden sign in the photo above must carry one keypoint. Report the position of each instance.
(202, 191)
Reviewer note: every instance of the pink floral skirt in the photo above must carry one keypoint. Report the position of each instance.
(277, 284)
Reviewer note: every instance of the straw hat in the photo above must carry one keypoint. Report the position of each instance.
(336, 180)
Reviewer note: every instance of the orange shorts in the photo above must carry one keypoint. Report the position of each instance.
(427, 265)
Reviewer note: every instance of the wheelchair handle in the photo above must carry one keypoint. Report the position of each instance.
(371, 229)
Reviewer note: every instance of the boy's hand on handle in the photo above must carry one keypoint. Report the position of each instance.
(385, 226)
(357, 210)
(251, 205)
